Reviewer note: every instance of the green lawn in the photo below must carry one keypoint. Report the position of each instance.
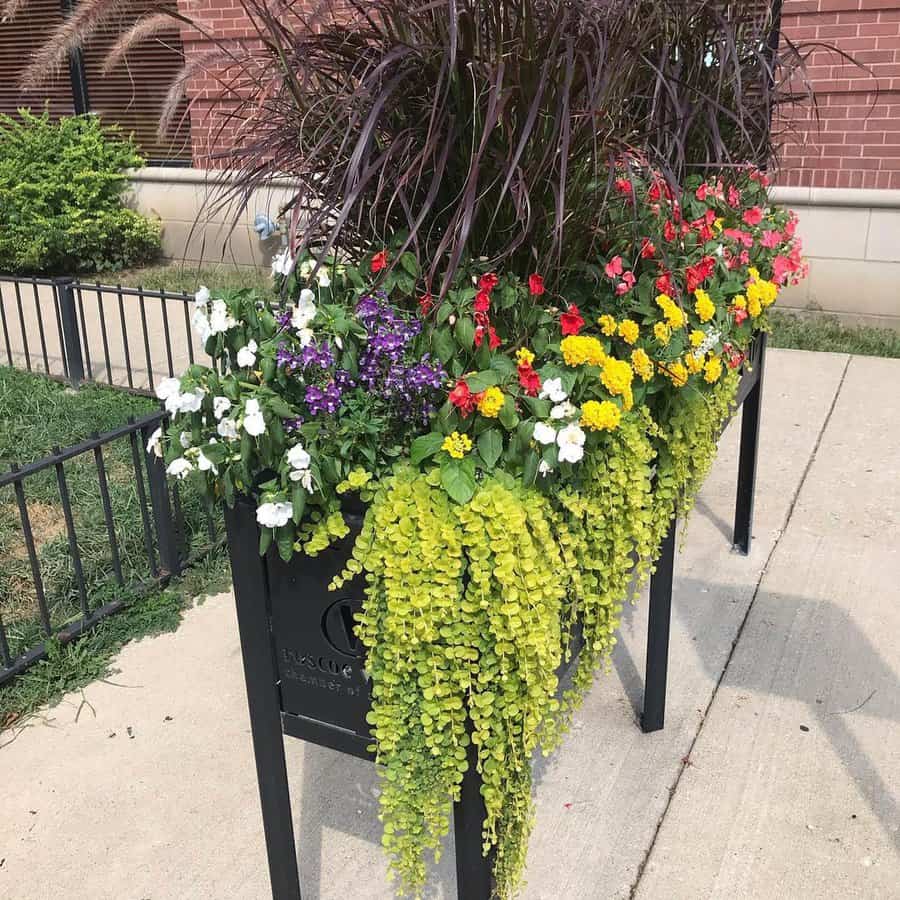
(827, 333)
(35, 415)
(186, 278)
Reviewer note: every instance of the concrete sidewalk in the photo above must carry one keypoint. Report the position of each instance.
(776, 775)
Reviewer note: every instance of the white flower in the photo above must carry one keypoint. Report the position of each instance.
(544, 433)
(185, 439)
(168, 387)
(571, 444)
(206, 465)
(298, 458)
(179, 468)
(305, 477)
(246, 356)
(154, 444)
(306, 336)
(305, 310)
(544, 468)
(219, 319)
(201, 298)
(188, 403)
(274, 515)
(306, 267)
(338, 343)
(553, 391)
(227, 429)
(254, 423)
(221, 405)
(282, 263)
(322, 278)
(563, 410)
(201, 325)
(720, 250)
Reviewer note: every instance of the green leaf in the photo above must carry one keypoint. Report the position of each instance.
(444, 312)
(442, 344)
(298, 501)
(490, 446)
(539, 408)
(481, 381)
(425, 446)
(529, 473)
(280, 408)
(284, 538)
(458, 479)
(265, 540)
(509, 418)
(464, 330)
(409, 262)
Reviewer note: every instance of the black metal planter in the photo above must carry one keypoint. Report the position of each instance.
(305, 675)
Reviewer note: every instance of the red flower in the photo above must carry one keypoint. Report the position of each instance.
(740, 315)
(626, 284)
(482, 301)
(426, 304)
(753, 216)
(697, 274)
(771, 239)
(536, 285)
(529, 379)
(734, 197)
(488, 282)
(648, 251)
(462, 398)
(669, 232)
(614, 267)
(738, 234)
(623, 186)
(379, 261)
(570, 321)
(702, 191)
(664, 284)
(493, 338)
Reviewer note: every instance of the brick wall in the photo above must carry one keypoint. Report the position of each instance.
(856, 143)
(211, 131)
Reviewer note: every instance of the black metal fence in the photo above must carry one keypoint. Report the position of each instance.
(87, 529)
(79, 331)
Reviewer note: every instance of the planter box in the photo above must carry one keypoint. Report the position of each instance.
(305, 669)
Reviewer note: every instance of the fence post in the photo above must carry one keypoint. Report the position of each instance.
(74, 362)
(163, 519)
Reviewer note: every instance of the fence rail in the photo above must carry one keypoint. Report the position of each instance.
(137, 530)
(79, 331)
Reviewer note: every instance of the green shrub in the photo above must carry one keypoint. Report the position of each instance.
(61, 209)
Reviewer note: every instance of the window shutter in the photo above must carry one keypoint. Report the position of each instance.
(132, 94)
(18, 40)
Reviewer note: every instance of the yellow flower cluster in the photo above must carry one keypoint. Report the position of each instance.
(580, 349)
(760, 294)
(694, 362)
(677, 372)
(662, 333)
(491, 402)
(600, 416)
(704, 307)
(642, 364)
(671, 310)
(697, 337)
(712, 371)
(607, 325)
(628, 331)
(616, 377)
(457, 445)
(524, 357)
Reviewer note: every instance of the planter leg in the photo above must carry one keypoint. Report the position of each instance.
(263, 699)
(474, 879)
(660, 614)
(746, 484)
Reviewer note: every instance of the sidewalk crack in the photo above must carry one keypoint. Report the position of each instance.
(685, 760)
